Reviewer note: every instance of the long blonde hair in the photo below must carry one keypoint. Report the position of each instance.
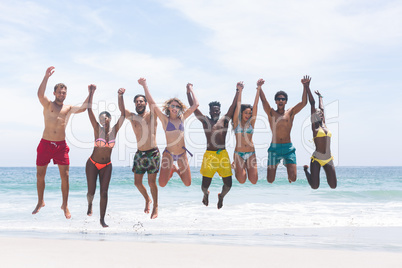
(165, 107)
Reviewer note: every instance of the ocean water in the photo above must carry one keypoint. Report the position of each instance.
(363, 213)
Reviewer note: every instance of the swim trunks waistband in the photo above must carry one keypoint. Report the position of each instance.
(54, 142)
(147, 151)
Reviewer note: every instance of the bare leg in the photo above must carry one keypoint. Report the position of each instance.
(104, 179)
(166, 167)
(271, 173)
(64, 174)
(184, 170)
(329, 169)
(292, 172)
(143, 191)
(227, 184)
(252, 170)
(206, 182)
(173, 170)
(40, 186)
(92, 175)
(154, 192)
(313, 178)
(240, 168)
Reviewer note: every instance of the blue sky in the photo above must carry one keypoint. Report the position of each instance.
(352, 50)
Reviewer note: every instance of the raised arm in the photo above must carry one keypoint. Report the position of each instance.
(239, 89)
(193, 106)
(260, 82)
(198, 114)
(320, 101)
(230, 112)
(122, 109)
(306, 83)
(265, 103)
(80, 109)
(42, 88)
(92, 118)
(152, 104)
(310, 97)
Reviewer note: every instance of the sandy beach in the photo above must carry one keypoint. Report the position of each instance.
(27, 252)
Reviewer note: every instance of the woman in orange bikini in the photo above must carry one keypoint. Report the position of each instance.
(172, 116)
(322, 156)
(99, 163)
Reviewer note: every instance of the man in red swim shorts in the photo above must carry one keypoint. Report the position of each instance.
(53, 144)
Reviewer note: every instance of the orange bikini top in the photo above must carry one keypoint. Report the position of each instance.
(103, 143)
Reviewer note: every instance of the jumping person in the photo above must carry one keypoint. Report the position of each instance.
(172, 117)
(216, 158)
(53, 144)
(99, 162)
(322, 156)
(281, 122)
(245, 161)
(147, 157)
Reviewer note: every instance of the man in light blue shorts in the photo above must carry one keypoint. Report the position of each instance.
(281, 121)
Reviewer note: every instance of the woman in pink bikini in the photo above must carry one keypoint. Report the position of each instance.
(172, 116)
(99, 163)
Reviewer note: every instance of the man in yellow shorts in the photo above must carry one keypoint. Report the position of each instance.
(216, 158)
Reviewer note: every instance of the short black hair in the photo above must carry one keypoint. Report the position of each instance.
(214, 103)
(108, 115)
(140, 95)
(281, 92)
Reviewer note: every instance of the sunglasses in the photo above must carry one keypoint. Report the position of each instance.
(175, 106)
(280, 99)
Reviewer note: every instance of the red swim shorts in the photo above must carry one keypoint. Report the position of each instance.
(58, 150)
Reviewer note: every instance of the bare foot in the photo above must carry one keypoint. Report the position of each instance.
(154, 214)
(66, 212)
(147, 208)
(103, 223)
(220, 201)
(89, 212)
(173, 170)
(38, 207)
(205, 199)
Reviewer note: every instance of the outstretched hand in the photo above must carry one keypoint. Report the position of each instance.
(49, 71)
(121, 91)
(142, 81)
(189, 87)
(260, 82)
(240, 85)
(318, 93)
(91, 88)
(306, 80)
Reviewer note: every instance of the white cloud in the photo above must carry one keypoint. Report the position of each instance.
(279, 37)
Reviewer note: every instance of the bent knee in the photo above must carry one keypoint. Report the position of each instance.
(253, 180)
(292, 178)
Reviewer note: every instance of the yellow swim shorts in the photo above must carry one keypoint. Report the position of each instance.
(216, 161)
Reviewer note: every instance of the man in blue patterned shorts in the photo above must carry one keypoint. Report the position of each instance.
(147, 157)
